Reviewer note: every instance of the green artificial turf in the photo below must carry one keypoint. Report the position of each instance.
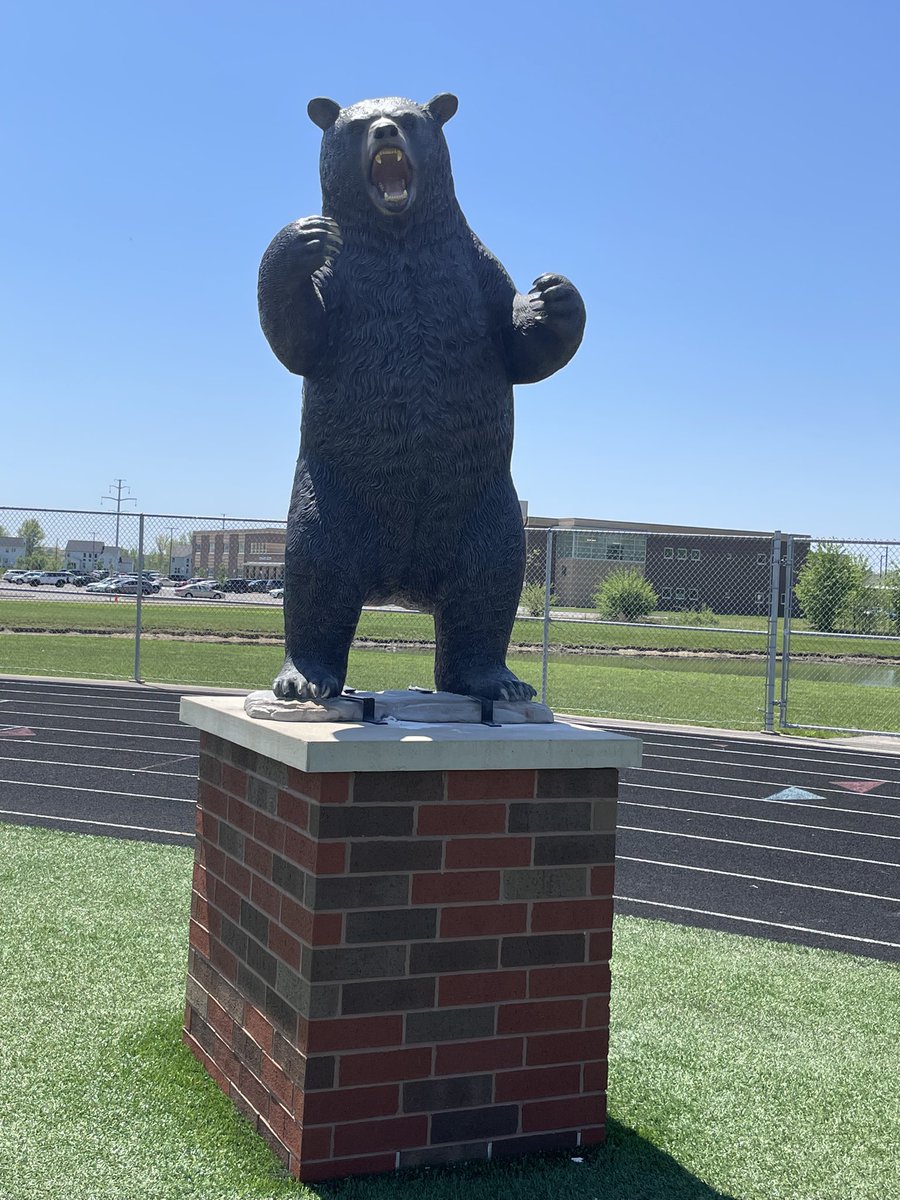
(740, 1068)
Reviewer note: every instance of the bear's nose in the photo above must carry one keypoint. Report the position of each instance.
(384, 128)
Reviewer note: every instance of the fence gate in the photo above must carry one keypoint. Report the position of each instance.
(840, 662)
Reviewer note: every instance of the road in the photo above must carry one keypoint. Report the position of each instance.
(798, 842)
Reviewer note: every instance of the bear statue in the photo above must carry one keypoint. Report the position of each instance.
(410, 336)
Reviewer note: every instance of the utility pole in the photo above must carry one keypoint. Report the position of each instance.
(171, 548)
(118, 486)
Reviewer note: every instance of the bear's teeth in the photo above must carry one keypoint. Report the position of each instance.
(396, 195)
(382, 154)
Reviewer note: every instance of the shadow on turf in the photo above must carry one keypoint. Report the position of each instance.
(628, 1167)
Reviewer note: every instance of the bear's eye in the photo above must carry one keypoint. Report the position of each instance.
(357, 124)
(407, 122)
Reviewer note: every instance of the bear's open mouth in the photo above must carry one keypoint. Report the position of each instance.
(391, 177)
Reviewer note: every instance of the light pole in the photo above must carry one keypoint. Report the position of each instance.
(120, 486)
(171, 547)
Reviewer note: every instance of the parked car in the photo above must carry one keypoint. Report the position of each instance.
(57, 578)
(13, 576)
(81, 580)
(129, 587)
(106, 586)
(258, 585)
(235, 585)
(277, 593)
(206, 589)
(275, 583)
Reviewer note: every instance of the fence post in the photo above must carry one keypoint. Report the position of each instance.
(548, 584)
(140, 597)
(786, 631)
(772, 656)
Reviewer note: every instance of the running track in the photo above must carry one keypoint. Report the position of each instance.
(704, 837)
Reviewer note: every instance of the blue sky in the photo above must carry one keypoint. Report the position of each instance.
(720, 180)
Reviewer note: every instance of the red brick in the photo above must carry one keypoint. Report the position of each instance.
(481, 987)
(223, 960)
(488, 852)
(254, 1091)
(596, 1013)
(300, 849)
(258, 1027)
(324, 788)
(212, 858)
(226, 899)
(595, 1076)
(549, 916)
(387, 1067)
(397, 1134)
(276, 1080)
(351, 1104)
(595, 1136)
(534, 1084)
(296, 918)
(213, 922)
(200, 909)
(337, 1168)
(483, 920)
(603, 880)
(569, 981)
(258, 857)
(354, 1033)
(548, 1048)
(571, 1113)
(234, 780)
(601, 946)
(241, 815)
(213, 798)
(199, 880)
(462, 818)
(284, 945)
(539, 1016)
(490, 785)
(206, 826)
(293, 809)
(316, 1143)
(265, 896)
(198, 937)
(237, 876)
(331, 858)
(455, 887)
(327, 929)
(491, 1054)
(219, 1020)
(200, 1054)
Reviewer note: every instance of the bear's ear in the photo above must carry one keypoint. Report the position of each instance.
(442, 107)
(323, 112)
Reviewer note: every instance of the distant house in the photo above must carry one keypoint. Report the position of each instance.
(11, 550)
(83, 556)
(114, 559)
(181, 560)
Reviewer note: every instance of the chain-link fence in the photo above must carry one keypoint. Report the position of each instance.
(742, 631)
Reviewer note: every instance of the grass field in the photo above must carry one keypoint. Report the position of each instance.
(740, 1069)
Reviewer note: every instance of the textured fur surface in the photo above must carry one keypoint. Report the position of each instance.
(410, 336)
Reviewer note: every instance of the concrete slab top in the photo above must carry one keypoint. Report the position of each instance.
(327, 746)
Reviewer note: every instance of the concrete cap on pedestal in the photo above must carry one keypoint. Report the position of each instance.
(325, 747)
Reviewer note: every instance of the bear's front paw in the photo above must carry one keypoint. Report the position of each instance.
(313, 242)
(555, 301)
(306, 681)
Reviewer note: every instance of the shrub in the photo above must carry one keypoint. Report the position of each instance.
(826, 586)
(626, 595)
(533, 599)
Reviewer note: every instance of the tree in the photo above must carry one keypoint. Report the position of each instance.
(533, 599)
(626, 595)
(3, 532)
(827, 586)
(892, 584)
(33, 534)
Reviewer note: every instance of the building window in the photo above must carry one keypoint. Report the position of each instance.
(679, 593)
(695, 556)
(694, 594)
(669, 552)
(665, 594)
(682, 554)
(595, 545)
(761, 560)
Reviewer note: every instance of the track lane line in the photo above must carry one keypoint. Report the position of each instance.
(11, 812)
(70, 787)
(723, 762)
(698, 837)
(659, 787)
(756, 782)
(89, 766)
(699, 812)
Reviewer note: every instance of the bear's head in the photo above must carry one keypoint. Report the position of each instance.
(384, 160)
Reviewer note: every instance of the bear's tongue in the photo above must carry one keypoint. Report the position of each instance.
(390, 173)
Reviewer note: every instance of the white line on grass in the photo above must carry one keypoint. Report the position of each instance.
(814, 887)
(11, 812)
(703, 912)
(699, 812)
(698, 837)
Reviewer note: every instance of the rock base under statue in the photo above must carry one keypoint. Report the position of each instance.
(413, 705)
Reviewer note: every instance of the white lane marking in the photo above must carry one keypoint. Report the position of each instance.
(794, 793)
(763, 753)
(129, 750)
(39, 712)
(149, 770)
(705, 912)
(697, 837)
(11, 812)
(860, 812)
(814, 887)
(70, 787)
(89, 766)
(155, 737)
(749, 782)
(699, 812)
(123, 694)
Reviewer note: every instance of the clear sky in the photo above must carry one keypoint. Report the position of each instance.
(721, 180)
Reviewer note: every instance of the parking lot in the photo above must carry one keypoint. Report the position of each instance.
(795, 842)
(69, 592)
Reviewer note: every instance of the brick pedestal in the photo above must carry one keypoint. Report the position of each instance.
(396, 967)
